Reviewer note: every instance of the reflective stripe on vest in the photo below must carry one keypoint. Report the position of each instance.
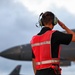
(41, 43)
(47, 62)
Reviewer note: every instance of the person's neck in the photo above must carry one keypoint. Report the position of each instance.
(49, 26)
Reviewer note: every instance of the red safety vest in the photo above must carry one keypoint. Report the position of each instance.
(41, 46)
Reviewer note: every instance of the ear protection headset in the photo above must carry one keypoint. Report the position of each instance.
(54, 22)
(40, 20)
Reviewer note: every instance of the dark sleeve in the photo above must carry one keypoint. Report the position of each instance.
(62, 38)
(33, 56)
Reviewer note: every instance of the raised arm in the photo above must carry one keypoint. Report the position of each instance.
(69, 31)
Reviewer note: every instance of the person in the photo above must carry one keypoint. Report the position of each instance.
(46, 45)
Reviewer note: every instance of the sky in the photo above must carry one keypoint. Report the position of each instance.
(18, 20)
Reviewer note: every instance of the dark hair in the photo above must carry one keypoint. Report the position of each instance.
(47, 18)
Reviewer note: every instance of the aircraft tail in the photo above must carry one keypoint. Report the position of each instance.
(16, 71)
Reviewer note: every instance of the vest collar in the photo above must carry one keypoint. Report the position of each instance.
(43, 30)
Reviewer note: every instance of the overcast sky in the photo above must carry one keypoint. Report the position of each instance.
(17, 26)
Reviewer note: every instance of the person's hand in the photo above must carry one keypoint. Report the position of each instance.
(61, 24)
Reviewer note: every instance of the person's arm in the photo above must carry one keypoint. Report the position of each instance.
(67, 30)
(34, 65)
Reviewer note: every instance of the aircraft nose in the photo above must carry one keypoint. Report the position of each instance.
(2, 53)
(21, 52)
(11, 53)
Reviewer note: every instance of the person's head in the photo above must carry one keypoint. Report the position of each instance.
(48, 19)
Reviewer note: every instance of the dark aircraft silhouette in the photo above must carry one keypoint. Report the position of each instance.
(16, 71)
(23, 53)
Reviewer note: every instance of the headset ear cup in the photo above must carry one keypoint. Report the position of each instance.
(41, 23)
(55, 20)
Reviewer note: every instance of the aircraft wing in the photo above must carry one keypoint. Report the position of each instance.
(16, 71)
